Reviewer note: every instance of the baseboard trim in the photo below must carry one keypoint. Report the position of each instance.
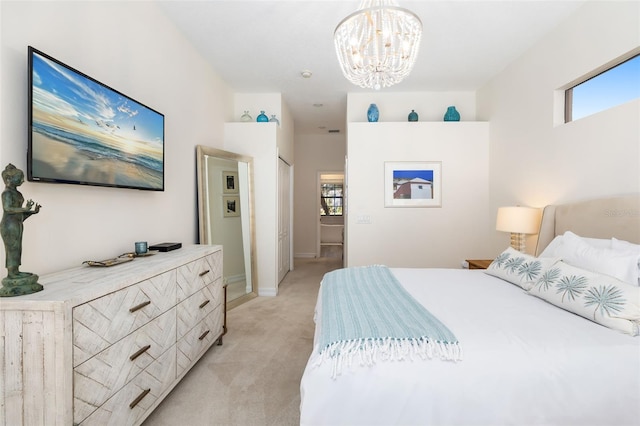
(268, 292)
(304, 255)
(235, 278)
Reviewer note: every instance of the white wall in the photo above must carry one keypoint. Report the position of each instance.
(258, 140)
(265, 142)
(133, 48)
(327, 152)
(271, 104)
(396, 106)
(418, 237)
(314, 153)
(534, 162)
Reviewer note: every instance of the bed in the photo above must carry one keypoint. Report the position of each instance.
(525, 357)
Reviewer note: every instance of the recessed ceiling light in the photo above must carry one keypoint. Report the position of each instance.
(306, 74)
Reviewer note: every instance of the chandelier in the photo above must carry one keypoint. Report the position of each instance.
(377, 45)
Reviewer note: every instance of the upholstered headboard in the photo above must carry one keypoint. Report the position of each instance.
(617, 217)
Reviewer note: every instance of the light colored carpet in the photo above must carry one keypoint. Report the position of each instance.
(254, 377)
(331, 251)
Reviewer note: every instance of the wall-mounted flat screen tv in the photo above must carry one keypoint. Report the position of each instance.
(84, 132)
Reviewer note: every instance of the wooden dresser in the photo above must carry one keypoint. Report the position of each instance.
(106, 345)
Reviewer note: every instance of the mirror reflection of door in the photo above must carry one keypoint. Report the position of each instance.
(330, 214)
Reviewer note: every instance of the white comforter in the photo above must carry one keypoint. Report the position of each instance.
(525, 362)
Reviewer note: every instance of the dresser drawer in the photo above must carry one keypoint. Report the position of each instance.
(97, 379)
(102, 322)
(196, 307)
(131, 402)
(199, 339)
(197, 274)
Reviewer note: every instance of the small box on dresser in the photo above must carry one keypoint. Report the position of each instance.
(106, 345)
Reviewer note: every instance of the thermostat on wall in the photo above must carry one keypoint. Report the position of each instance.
(165, 246)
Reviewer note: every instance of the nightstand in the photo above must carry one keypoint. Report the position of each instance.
(479, 263)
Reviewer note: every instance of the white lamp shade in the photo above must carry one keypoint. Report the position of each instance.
(520, 220)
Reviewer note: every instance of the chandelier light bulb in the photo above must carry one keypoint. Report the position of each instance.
(377, 45)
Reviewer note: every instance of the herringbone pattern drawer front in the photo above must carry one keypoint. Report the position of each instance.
(192, 310)
(198, 339)
(98, 378)
(102, 322)
(197, 274)
(132, 401)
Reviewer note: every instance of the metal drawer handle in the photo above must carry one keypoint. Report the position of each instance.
(205, 272)
(139, 398)
(205, 303)
(140, 306)
(140, 352)
(203, 335)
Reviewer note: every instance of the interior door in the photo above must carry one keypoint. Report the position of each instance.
(284, 218)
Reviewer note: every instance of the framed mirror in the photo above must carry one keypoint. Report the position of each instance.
(226, 217)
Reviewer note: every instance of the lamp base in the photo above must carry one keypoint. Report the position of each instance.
(518, 242)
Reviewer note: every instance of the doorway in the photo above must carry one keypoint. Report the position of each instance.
(331, 201)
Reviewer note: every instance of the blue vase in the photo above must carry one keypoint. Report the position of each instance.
(372, 113)
(413, 116)
(451, 114)
(262, 118)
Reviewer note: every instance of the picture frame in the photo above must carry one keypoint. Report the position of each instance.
(230, 182)
(413, 184)
(230, 206)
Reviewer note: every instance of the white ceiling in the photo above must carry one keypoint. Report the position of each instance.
(261, 46)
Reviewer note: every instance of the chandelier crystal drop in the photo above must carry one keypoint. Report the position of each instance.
(377, 45)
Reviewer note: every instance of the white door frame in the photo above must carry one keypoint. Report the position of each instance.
(286, 188)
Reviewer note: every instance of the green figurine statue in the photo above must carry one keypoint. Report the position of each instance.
(14, 214)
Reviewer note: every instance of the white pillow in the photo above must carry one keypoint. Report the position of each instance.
(618, 264)
(617, 244)
(556, 245)
(597, 297)
(627, 247)
(552, 248)
(518, 268)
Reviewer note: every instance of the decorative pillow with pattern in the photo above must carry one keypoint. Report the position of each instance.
(598, 297)
(518, 268)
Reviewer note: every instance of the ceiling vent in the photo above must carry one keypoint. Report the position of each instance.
(334, 130)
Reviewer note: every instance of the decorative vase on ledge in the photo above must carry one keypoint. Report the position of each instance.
(413, 116)
(262, 118)
(452, 114)
(372, 113)
(246, 117)
(273, 119)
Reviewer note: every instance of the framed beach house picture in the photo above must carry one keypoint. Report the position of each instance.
(413, 184)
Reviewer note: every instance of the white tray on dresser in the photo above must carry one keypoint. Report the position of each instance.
(106, 345)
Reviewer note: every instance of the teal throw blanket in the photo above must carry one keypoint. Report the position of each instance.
(368, 316)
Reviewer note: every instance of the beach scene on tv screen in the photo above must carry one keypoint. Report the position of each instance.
(85, 132)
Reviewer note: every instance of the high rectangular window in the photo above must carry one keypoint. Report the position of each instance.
(612, 87)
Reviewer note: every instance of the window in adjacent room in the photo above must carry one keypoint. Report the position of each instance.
(331, 199)
(614, 86)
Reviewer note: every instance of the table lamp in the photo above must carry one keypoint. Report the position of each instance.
(519, 221)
